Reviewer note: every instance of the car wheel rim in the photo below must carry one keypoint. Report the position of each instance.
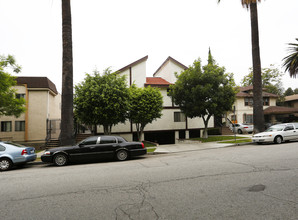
(122, 155)
(60, 160)
(278, 140)
(4, 164)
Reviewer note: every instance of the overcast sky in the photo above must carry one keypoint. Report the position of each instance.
(115, 33)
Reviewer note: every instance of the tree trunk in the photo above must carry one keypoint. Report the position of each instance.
(258, 113)
(205, 132)
(67, 124)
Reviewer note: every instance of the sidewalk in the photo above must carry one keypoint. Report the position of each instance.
(184, 147)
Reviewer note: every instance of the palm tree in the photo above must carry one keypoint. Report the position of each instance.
(291, 61)
(258, 113)
(67, 125)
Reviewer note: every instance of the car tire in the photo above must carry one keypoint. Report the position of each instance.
(239, 131)
(5, 164)
(122, 155)
(278, 140)
(60, 160)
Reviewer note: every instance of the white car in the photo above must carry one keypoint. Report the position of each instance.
(277, 134)
(241, 128)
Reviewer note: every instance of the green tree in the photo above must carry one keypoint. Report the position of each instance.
(289, 92)
(271, 80)
(67, 119)
(296, 91)
(145, 105)
(291, 61)
(102, 100)
(9, 104)
(258, 113)
(203, 92)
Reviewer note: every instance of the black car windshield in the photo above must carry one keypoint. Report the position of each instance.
(275, 128)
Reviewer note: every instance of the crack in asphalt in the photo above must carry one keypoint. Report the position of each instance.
(139, 210)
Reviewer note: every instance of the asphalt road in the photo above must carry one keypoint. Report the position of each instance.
(244, 182)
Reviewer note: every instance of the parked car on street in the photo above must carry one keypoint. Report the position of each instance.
(277, 133)
(94, 148)
(15, 154)
(241, 128)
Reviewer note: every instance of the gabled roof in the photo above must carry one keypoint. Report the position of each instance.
(37, 83)
(173, 60)
(279, 110)
(291, 98)
(247, 92)
(157, 82)
(133, 64)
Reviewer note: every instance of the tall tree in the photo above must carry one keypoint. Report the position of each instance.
(271, 80)
(102, 100)
(258, 113)
(204, 92)
(67, 121)
(291, 61)
(145, 105)
(9, 104)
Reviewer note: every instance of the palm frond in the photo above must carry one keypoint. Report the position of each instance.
(291, 61)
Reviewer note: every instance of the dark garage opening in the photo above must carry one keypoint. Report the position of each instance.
(162, 137)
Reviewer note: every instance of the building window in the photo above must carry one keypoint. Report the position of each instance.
(20, 126)
(266, 101)
(234, 118)
(6, 126)
(248, 101)
(179, 117)
(248, 119)
(19, 96)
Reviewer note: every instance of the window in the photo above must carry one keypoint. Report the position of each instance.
(20, 126)
(234, 118)
(248, 101)
(18, 96)
(90, 141)
(289, 128)
(266, 101)
(179, 117)
(248, 119)
(2, 148)
(6, 126)
(107, 140)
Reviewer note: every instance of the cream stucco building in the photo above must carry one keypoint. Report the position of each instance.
(173, 125)
(43, 104)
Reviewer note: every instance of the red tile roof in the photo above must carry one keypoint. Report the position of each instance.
(157, 82)
(37, 83)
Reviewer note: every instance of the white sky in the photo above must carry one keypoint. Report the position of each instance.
(115, 33)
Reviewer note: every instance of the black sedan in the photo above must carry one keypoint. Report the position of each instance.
(94, 148)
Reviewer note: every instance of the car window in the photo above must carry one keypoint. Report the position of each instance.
(89, 141)
(121, 139)
(2, 148)
(107, 140)
(289, 127)
(275, 128)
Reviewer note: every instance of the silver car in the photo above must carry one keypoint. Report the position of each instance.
(241, 128)
(15, 154)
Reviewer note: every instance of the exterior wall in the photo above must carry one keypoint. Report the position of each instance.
(37, 115)
(41, 105)
(167, 71)
(138, 74)
(241, 109)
